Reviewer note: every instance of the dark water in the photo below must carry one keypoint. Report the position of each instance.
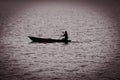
(86, 60)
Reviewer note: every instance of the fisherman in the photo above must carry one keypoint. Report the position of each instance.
(65, 35)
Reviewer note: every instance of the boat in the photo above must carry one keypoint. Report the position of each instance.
(48, 40)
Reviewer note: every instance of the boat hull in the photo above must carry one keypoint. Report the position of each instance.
(48, 40)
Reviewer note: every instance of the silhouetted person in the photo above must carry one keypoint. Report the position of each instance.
(65, 35)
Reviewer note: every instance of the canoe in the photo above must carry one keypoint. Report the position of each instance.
(48, 40)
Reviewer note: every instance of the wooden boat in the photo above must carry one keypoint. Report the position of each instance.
(48, 40)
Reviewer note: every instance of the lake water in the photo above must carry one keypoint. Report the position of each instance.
(90, 26)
